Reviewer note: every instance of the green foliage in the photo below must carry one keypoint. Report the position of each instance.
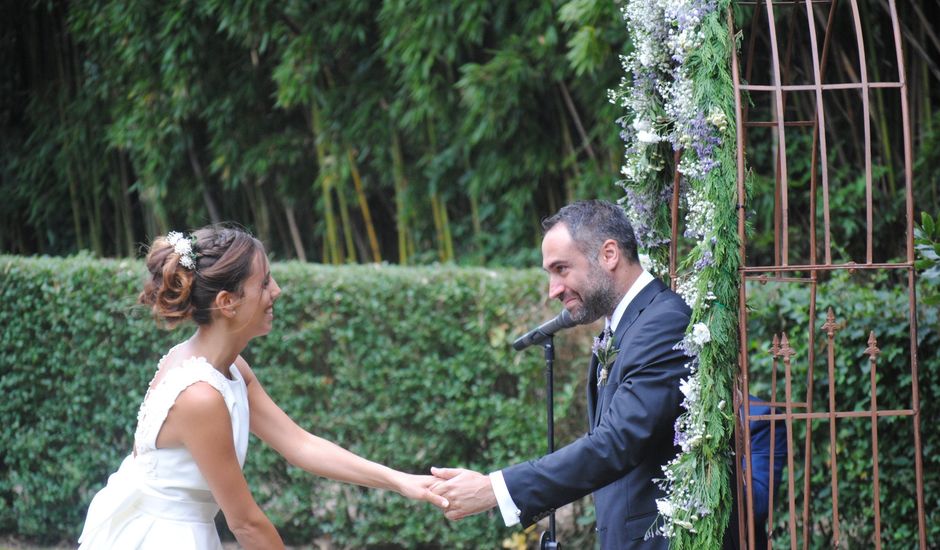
(927, 246)
(409, 367)
(455, 116)
(862, 304)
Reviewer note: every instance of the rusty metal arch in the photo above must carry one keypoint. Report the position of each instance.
(814, 25)
(798, 406)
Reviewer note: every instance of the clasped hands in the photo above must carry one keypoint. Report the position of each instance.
(465, 492)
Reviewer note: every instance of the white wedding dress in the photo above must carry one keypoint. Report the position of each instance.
(158, 499)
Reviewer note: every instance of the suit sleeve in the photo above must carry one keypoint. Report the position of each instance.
(639, 419)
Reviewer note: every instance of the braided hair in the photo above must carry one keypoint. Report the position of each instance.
(176, 293)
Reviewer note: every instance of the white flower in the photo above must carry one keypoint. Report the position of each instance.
(183, 247)
(174, 237)
(644, 136)
(664, 506)
(689, 387)
(700, 334)
(645, 262)
(641, 125)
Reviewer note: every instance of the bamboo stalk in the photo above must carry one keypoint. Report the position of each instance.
(201, 181)
(364, 207)
(76, 209)
(350, 254)
(570, 157)
(126, 204)
(438, 227)
(401, 187)
(73, 186)
(88, 205)
(294, 230)
(477, 226)
(878, 112)
(445, 246)
(264, 213)
(117, 216)
(445, 223)
(586, 141)
(473, 194)
(917, 47)
(331, 252)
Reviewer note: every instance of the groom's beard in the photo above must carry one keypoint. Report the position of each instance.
(598, 299)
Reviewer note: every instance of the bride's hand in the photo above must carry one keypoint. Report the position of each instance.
(418, 487)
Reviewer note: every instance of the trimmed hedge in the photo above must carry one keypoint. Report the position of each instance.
(411, 367)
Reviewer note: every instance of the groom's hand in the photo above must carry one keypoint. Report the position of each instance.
(467, 492)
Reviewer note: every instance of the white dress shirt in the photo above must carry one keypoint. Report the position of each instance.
(507, 507)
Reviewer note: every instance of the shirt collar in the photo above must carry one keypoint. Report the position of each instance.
(639, 284)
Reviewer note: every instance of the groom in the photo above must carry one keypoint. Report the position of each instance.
(589, 251)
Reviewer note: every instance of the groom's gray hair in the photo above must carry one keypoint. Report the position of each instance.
(592, 222)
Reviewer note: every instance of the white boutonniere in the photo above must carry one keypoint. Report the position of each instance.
(606, 353)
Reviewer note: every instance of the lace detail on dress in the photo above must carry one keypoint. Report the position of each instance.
(158, 400)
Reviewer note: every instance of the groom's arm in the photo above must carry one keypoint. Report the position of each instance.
(640, 416)
(638, 423)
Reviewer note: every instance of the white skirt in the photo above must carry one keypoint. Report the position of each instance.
(124, 516)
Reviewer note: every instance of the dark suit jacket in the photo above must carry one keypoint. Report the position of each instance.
(760, 476)
(631, 430)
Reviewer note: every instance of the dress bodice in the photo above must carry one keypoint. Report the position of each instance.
(158, 498)
(177, 464)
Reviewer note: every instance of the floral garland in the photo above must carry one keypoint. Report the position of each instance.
(679, 97)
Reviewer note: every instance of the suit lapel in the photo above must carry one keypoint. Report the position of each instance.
(592, 390)
(639, 303)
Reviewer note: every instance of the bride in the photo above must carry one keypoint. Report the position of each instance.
(192, 427)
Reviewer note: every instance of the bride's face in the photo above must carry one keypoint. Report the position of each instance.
(259, 292)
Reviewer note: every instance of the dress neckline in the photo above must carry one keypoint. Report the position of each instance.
(234, 375)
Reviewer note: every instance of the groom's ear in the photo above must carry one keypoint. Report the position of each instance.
(609, 255)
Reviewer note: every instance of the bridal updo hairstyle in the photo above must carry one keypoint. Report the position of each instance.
(223, 260)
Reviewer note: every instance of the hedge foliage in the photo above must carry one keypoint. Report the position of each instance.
(409, 367)
(862, 303)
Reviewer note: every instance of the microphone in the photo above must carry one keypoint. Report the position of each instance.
(535, 336)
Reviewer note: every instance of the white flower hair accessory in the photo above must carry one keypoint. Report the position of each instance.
(183, 246)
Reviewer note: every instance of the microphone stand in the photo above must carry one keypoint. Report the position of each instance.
(547, 540)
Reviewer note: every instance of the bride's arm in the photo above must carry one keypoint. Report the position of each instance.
(199, 420)
(319, 456)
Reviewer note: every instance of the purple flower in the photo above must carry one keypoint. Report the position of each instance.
(598, 344)
(706, 260)
(680, 437)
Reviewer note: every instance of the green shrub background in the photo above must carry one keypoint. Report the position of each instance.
(411, 367)
(862, 303)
